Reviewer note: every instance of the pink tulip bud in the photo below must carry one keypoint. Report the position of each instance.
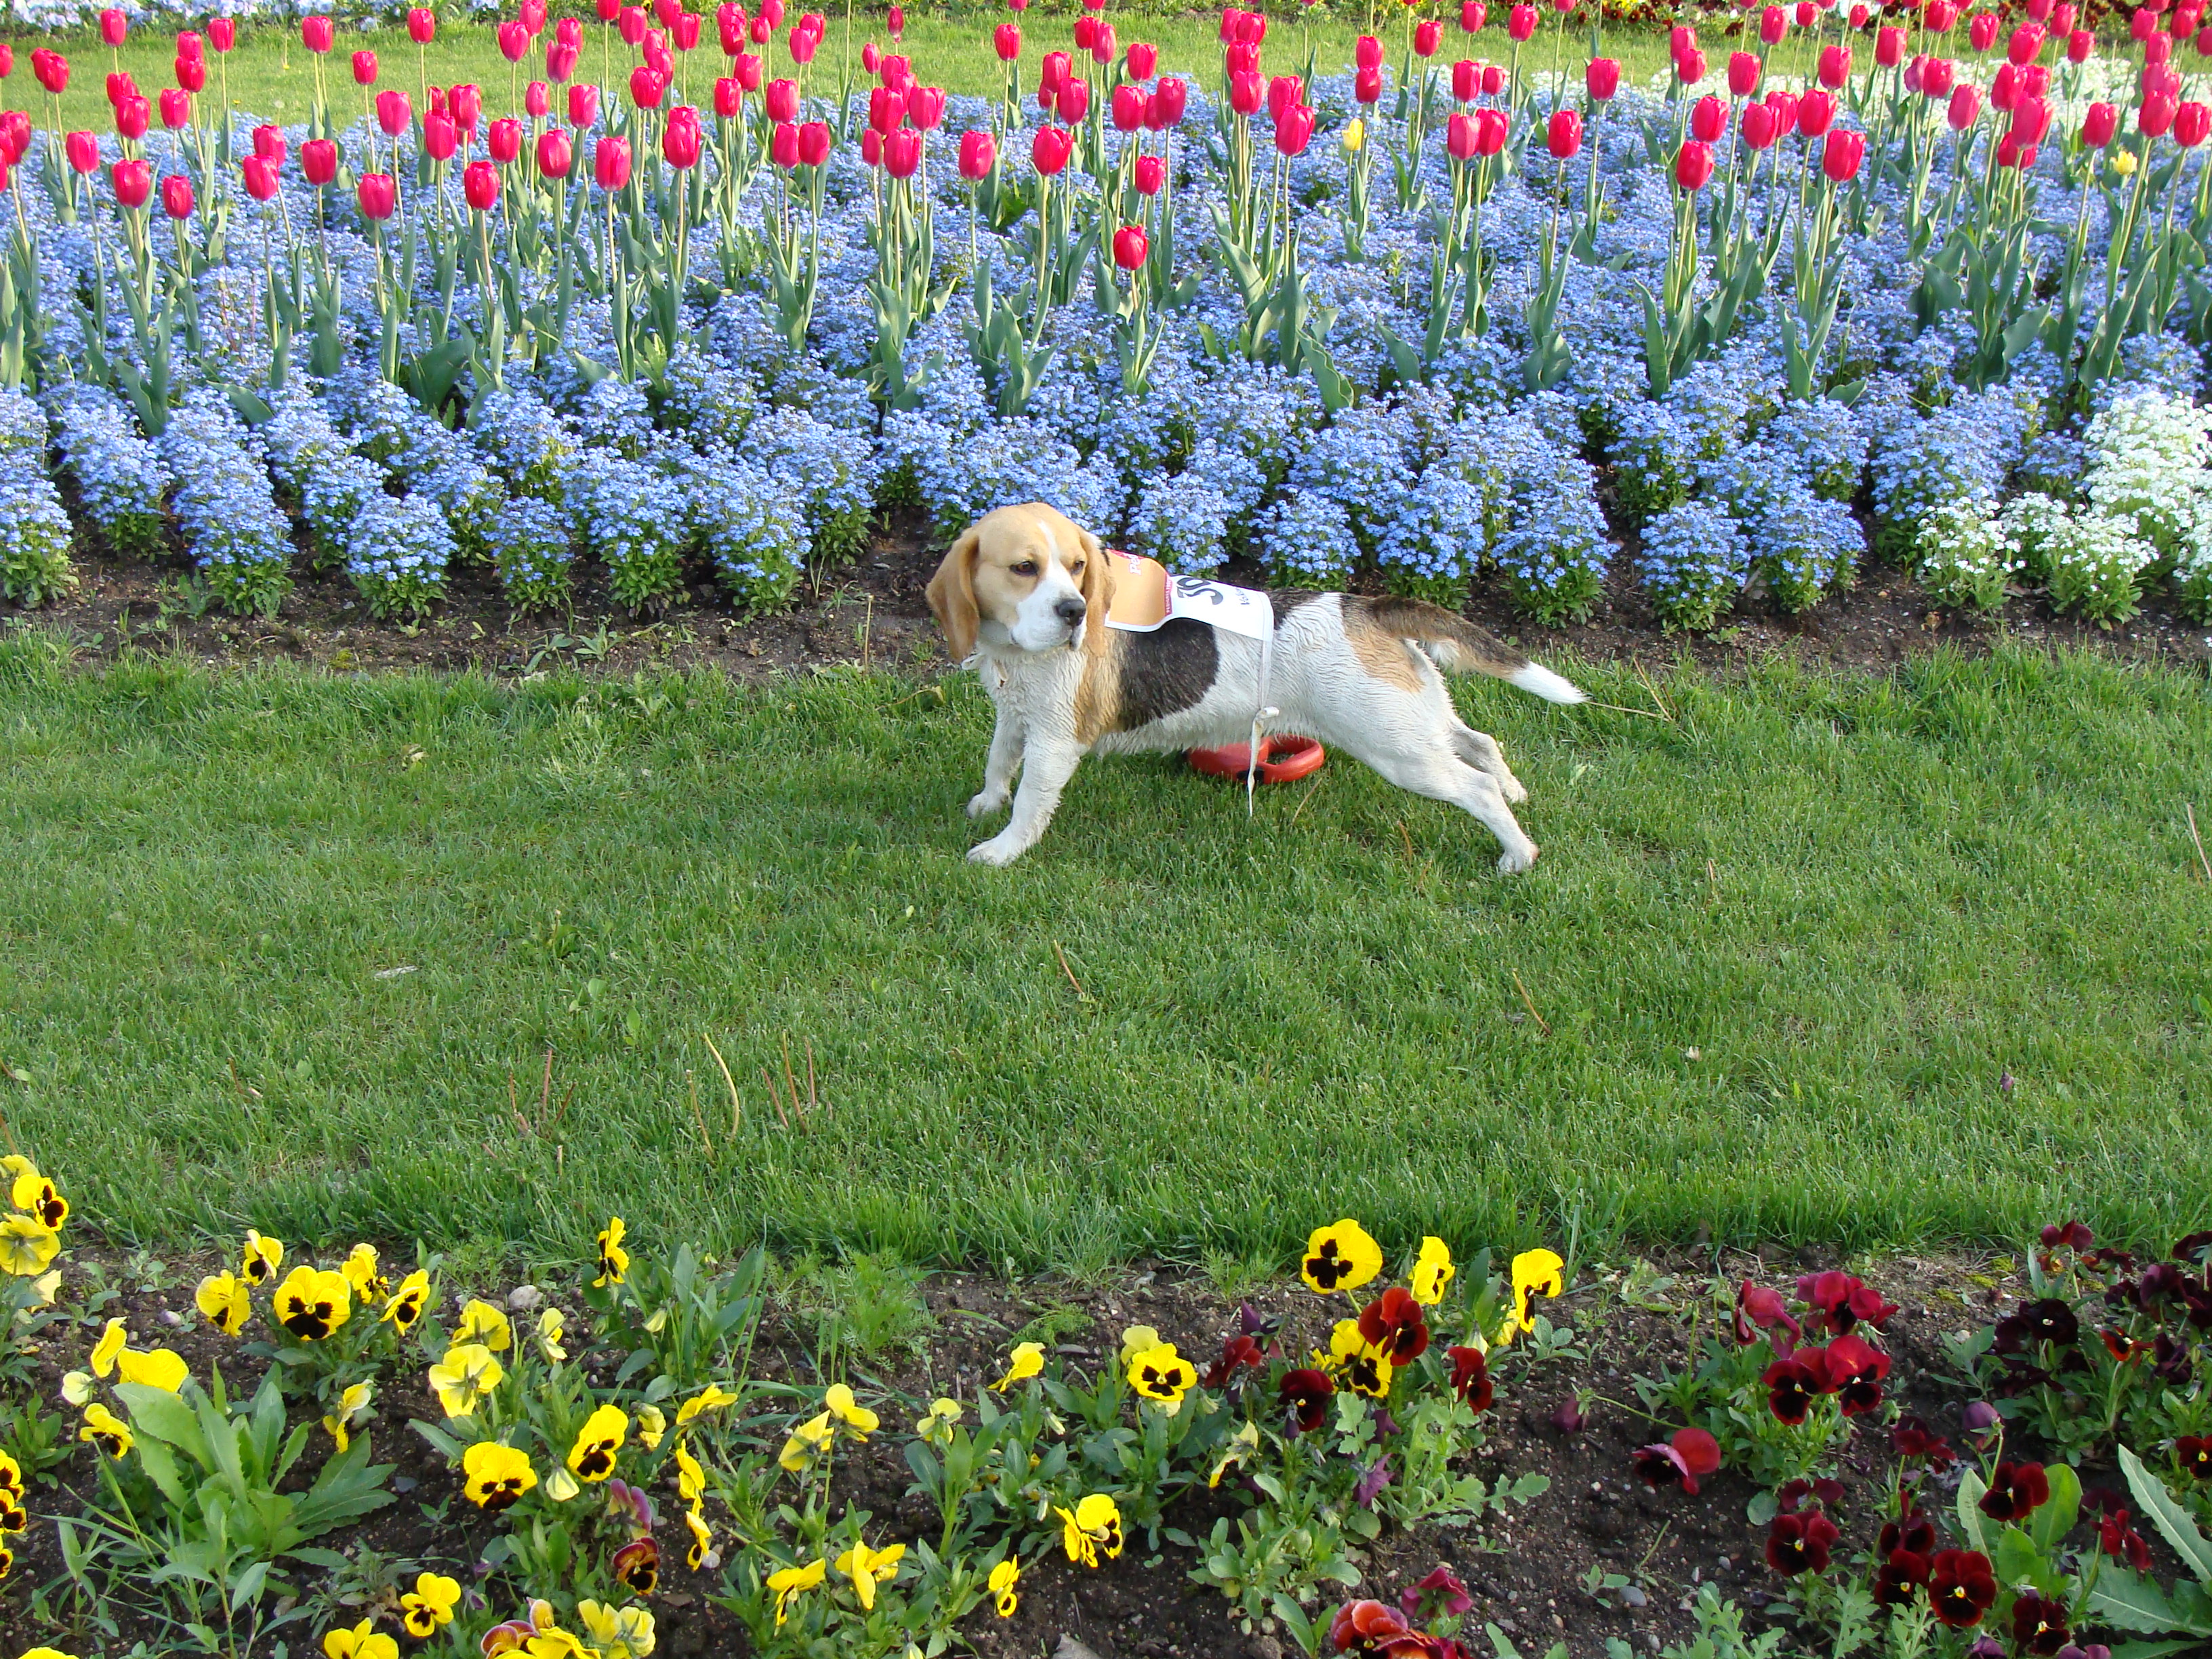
(1056, 67)
(1563, 135)
(504, 139)
(319, 161)
(440, 137)
(1693, 165)
(870, 59)
(1086, 31)
(1602, 78)
(134, 183)
(2063, 17)
(1049, 149)
(1840, 155)
(1965, 108)
(261, 178)
(377, 194)
(1815, 110)
(1743, 73)
(2080, 43)
(1521, 22)
(1130, 247)
(886, 108)
(1807, 14)
(1152, 174)
(1465, 80)
(317, 34)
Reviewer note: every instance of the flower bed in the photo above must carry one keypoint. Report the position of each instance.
(672, 1444)
(1852, 294)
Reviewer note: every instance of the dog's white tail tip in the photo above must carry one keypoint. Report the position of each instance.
(1535, 678)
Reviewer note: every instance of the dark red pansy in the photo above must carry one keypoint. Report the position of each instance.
(1913, 1439)
(1961, 1587)
(2049, 1320)
(1761, 1311)
(2017, 1490)
(1470, 1377)
(1792, 1384)
(1236, 1353)
(1394, 1323)
(1305, 1395)
(1856, 1373)
(2194, 1453)
(1903, 1574)
(1680, 1459)
(1799, 1543)
(2038, 1625)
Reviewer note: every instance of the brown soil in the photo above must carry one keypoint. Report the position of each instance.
(1526, 1570)
(871, 612)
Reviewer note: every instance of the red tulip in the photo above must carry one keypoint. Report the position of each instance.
(555, 154)
(395, 112)
(1127, 107)
(134, 183)
(1693, 165)
(2062, 16)
(1229, 17)
(1937, 76)
(814, 144)
(870, 59)
(1141, 59)
(1104, 49)
(1006, 39)
(1743, 74)
(745, 68)
(1072, 100)
(1521, 22)
(1465, 80)
(1841, 153)
(2100, 125)
(379, 193)
(1835, 67)
(1283, 91)
(1564, 135)
(685, 34)
(2162, 78)
(1889, 47)
(2155, 116)
(504, 140)
(729, 98)
(223, 33)
(1982, 30)
(51, 69)
(1784, 105)
(318, 34)
(1965, 108)
(466, 103)
(1859, 15)
(979, 154)
(177, 195)
(130, 117)
(1807, 12)
(440, 137)
(1049, 151)
(608, 10)
(583, 103)
(1295, 130)
(1086, 31)
(1171, 97)
(886, 108)
(1472, 14)
(782, 100)
(260, 178)
(1690, 67)
(2004, 87)
(113, 25)
(1367, 85)
(319, 161)
(2025, 43)
(1490, 128)
(1130, 247)
(901, 153)
(2193, 121)
(1602, 78)
(1055, 69)
(176, 108)
(1428, 35)
(630, 24)
(190, 72)
(1760, 128)
(1682, 38)
(646, 87)
(1152, 173)
(120, 86)
(2080, 43)
(2031, 121)
(783, 145)
(83, 150)
(680, 140)
(1773, 25)
(364, 68)
(189, 45)
(2158, 49)
(480, 182)
(1709, 119)
(1459, 136)
(610, 163)
(1815, 110)
(532, 14)
(537, 100)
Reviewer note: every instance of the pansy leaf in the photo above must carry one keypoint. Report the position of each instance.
(2054, 1519)
(2133, 1601)
(1971, 1489)
(161, 1415)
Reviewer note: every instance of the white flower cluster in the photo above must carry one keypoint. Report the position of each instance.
(1963, 556)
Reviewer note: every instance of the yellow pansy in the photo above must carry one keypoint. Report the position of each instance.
(1355, 135)
(1003, 1579)
(260, 1258)
(76, 1387)
(618, 1632)
(1136, 1340)
(363, 1641)
(225, 1300)
(789, 1583)
(1535, 1272)
(614, 1260)
(46, 1288)
(1161, 1373)
(708, 1399)
(1432, 1271)
(658, 1323)
(45, 1653)
(1339, 1258)
(1240, 1446)
(494, 1477)
(11, 1473)
(1027, 1360)
(14, 1518)
(853, 1418)
(365, 1276)
(703, 1541)
(311, 1302)
(866, 1568)
(463, 1377)
(1094, 1525)
(34, 1193)
(103, 1429)
(407, 1302)
(28, 1246)
(691, 1479)
(552, 1326)
(806, 1443)
(935, 1428)
(352, 1406)
(161, 1368)
(593, 1457)
(482, 1322)
(651, 1425)
(1362, 1366)
(110, 1345)
(428, 1608)
(560, 1486)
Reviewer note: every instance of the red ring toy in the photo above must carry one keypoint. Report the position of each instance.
(1282, 760)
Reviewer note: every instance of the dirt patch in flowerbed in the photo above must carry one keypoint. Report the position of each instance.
(871, 612)
(1600, 1557)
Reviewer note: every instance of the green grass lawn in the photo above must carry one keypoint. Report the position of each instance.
(1860, 901)
(271, 76)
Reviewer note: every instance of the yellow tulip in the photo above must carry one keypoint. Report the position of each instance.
(1026, 1361)
(1339, 1258)
(789, 1583)
(2123, 163)
(1355, 135)
(866, 1568)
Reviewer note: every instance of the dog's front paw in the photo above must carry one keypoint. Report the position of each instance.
(1000, 850)
(984, 802)
(1514, 860)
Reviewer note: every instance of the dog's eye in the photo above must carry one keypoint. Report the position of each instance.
(1076, 569)
(1026, 567)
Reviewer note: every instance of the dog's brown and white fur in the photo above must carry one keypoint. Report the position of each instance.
(1026, 590)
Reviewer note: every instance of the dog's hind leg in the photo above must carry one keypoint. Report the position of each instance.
(1427, 762)
(1480, 751)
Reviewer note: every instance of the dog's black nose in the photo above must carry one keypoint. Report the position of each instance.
(1070, 611)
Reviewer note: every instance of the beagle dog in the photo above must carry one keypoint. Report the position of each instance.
(1026, 591)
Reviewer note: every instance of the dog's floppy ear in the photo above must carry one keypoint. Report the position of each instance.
(1099, 580)
(952, 594)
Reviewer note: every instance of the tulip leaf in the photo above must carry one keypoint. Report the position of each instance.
(2174, 1523)
(1971, 1526)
